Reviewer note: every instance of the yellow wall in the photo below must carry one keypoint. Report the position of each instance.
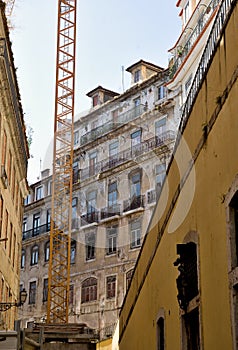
(104, 345)
(153, 289)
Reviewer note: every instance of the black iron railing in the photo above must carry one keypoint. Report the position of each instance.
(89, 218)
(110, 211)
(128, 154)
(223, 14)
(122, 119)
(36, 231)
(133, 203)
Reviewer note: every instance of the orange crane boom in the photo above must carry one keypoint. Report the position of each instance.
(60, 231)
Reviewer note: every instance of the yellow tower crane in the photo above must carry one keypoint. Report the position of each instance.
(60, 232)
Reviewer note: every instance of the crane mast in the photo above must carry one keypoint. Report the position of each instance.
(60, 231)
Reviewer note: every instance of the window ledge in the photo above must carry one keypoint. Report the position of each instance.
(137, 210)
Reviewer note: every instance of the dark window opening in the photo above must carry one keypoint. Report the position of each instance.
(160, 333)
(187, 281)
(191, 328)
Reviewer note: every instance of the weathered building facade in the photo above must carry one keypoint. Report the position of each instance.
(13, 172)
(197, 18)
(121, 150)
(183, 294)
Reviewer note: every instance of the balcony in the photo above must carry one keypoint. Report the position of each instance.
(133, 203)
(89, 218)
(182, 51)
(122, 119)
(128, 154)
(35, 231)
(111, 211)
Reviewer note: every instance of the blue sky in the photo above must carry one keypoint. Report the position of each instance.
(110, 34)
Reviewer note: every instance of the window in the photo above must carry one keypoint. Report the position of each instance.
(48, 218)
(32, 292)
(71, 294)
(39, 193)
(111, 287)
(135, 185)
(91, 202)
(186, 12)
(90, 240)
(73, 252)
(76, 138)
(27, 199)
(95, 100)
(233, 238)
(111, 240)
(23, 258)
(136, 140)
(36, 224)
(34, 255)
(137, 106)
(187, 286)
(190, 324)
(89, 290)
(92, 163)
(45, 289)
(234, 232)
(187, 281)
(137, 76)
(49, 190)
(112, 194)
(135, 239)
(47, 251)
(160, 172)
(115, 116)
(113, 153)
(24, 225)
(74, 207)
(128, 278)
(160, 333)
(161, 92)
(160, 130)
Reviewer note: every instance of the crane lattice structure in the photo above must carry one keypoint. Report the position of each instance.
(60, 232)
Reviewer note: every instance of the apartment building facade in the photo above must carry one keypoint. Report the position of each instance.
(13, 173)
(121, 150)
(197, 17)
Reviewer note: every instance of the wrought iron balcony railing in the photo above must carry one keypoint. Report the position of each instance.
(223, 13)
(35, 231)
(110, 211)
(183, 51)
(122, 119)
(133, 203)
(89, 218)
(128, 154)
